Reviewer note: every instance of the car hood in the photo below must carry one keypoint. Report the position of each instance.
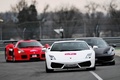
(71, 55)
(102, 51)
(32, 50)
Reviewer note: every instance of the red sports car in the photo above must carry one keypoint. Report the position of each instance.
(24, 50)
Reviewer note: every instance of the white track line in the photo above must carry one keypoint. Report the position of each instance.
(98, 77)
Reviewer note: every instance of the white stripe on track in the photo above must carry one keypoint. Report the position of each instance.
(98, 77)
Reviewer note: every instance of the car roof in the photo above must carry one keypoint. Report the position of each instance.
(89, 38)
(26, 40)
(69, 41)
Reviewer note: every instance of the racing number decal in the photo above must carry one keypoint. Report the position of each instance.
(70, 53)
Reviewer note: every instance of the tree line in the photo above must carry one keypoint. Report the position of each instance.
(30, 23)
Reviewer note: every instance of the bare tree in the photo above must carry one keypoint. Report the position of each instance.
(34, 2)
(92, 19)
(114, 17)
(91, 7)
(22, 4)
(42, 20)
(19, 6)
(68, 19)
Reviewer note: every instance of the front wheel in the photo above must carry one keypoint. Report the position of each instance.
(13, 57)
(48, 70)
(112, 63)
(6, 57)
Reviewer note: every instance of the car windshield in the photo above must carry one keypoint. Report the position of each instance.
(97, 42)
(100, 43)
(29, 44)
(69, 46)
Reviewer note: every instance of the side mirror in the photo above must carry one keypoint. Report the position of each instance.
(90, 46)
(113, 45)
(95, 47)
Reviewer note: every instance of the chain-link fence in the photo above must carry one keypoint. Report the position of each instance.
(58, 29)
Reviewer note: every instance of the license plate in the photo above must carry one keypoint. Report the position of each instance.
(34, 55)
(71, 65)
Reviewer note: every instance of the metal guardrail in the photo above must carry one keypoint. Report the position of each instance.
(109, 40)
(112, 40)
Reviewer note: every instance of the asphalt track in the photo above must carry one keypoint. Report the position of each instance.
(35, 70)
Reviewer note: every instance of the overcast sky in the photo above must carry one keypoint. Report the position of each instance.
(5, 5)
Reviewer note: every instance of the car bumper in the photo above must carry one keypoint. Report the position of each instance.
(71, 65)
(23, 57)
(104, 59)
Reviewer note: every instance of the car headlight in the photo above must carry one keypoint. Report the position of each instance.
(20, 51)
(88, 56)
(43, 49)
(52, 57)
(111, 51)
(10, 49)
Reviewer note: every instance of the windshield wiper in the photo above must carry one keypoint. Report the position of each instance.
(28, 46)
(65, 50)
(77, 49)
(69, 50)
(60, 50)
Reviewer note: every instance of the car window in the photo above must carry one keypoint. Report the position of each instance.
(100, 43)
(29, 44)
(89, 41)
(69, 46)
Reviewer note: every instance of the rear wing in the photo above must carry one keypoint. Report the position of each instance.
(13, 41)
(8, 41)
(39, 40)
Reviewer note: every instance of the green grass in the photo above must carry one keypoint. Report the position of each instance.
(117, 48)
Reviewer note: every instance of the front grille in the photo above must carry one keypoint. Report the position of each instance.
(34, 59)
(85, 64)
(56, 65)
(105, 58)
(38, 55)
(70, 67)
(11, 53)
(23, 56)
(43, 55)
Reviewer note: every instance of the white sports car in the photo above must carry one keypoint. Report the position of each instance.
(69, 55)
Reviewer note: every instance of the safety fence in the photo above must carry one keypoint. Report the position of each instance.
(109, 40)
(61, 29)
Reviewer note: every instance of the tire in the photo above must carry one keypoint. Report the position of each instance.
(48, 70)
(112, 63)
(13, 57)
(6, 58)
